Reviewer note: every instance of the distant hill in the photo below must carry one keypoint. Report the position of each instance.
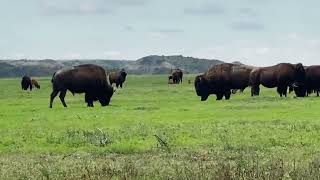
(146, 65)
(163, 64)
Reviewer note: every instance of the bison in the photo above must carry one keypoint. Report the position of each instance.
(88, 78)
(311, 82)
(118, 78)
(35, 83)
(28, 82)
(282, 76)
(220, 79)
(176, 76)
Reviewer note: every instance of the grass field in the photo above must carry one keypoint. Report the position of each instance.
(265, 137)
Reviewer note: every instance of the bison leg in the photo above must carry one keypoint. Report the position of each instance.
(317, 93)
(280, 91)
(117, 85)
(219, 96)
(61, 96)
(227, 95)
(285, 90)
(52, 96)
(121, 85)
(30, 86)
(255, 90)
(89, 100)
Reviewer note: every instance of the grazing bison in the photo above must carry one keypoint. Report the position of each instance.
(282, 76)
(221, 78)
(88, 78)
(176, 76)
(27, 82)
(35, 83)
(118, 77)
(311, 82)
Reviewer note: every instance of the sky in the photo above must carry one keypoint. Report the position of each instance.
(255, 32)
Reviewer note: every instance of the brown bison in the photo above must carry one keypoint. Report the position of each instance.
(311, 82)
(176, 76)
(27, 82)
(88, 78)
(35, 83)
(118, 77)
(221, 78)
(282, 76)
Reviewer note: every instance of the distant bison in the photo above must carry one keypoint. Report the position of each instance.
(28, 83)
(35, 83)
(88, 78)
(282, 76)
(221, 78)
(311, 82)
(176, 76)
(118, 78)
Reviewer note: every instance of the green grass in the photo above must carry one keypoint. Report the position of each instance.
(280, 133)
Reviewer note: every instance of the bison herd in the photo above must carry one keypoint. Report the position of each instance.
(220, 79)
(224, 78)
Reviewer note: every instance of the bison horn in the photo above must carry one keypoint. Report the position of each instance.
(295, 85)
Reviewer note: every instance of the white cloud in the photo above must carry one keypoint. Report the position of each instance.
(158, 35)
(111, 54)
(247, 26)
(79, 7)
(206, 9)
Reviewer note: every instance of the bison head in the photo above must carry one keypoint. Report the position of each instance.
(202, 88)
(123, 75)
(299, 89)
(106, 95)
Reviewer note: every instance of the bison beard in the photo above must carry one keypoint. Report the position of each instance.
(89, 79)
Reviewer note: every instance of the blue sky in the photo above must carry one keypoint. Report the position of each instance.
(257, 32)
